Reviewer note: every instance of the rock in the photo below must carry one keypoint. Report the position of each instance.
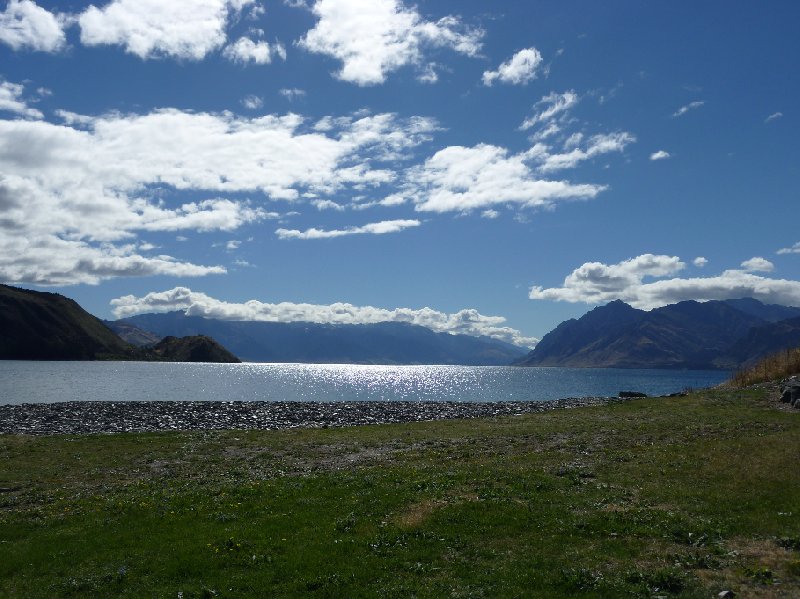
(726, 595)
(629, 394)
(790, 391)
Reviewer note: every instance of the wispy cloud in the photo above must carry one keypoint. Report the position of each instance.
(660, 155)
(11, 100)
(690, 106)
(379, 228)
(773, 117)
(252, 102)
(795, 249)
(292, 93)
(549, 107)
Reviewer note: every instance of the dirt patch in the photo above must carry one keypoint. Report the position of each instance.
(762, 570)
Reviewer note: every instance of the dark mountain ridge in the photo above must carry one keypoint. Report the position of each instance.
(689, 334)
(379, 343)
(36, 325)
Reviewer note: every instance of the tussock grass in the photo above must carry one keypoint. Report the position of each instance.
(668, 497)
(774, 367)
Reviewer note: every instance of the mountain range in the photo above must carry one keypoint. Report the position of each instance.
(378, 343)
(48, 326)
(689, 334)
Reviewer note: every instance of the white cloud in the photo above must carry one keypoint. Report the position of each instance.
(292, 93)
(50, 260)
(94, 183)
(462, 179)
(490, 214)
(758, 264)
(26, 26)
(252, 102)
(520, 69)
(690, 106)
(464, 322)
(379, 228)
(327, 205)
(233, 244)
(699, 262)
(598, 283)
(774, 116)
(12, 101)
(244, 51)
(550, 107)
(795, 249)
(373, 38)
(660, 155)
(186, 29)
(594, 146)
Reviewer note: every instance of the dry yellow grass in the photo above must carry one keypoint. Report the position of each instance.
(776, 366)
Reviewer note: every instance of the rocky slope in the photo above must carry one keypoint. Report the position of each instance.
(689, 334)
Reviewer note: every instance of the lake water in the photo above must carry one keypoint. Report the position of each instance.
(43, 382)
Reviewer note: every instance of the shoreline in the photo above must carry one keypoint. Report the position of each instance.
(98, 417)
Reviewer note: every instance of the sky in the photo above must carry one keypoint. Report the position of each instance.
(489, 168)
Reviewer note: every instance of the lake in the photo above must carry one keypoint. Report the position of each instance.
(45, 382)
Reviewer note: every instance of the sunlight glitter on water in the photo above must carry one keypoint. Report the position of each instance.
(37, 382)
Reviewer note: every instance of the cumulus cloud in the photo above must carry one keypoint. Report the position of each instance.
(11, 100)
(551, 107)
(95, 183)
(520, 69)
(327, 205)
(464, 322)
(773, 117)
(51, 260)
(758, 264)
(372, 38)
(186, 29)
(660, 155)
(244, 51)
(690, 106)
(379, 228)
(795, 249)
(462, 179)
(24, 25)
(598, 283)
(700, 262)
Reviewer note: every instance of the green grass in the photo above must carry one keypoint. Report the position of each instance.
(679, 497)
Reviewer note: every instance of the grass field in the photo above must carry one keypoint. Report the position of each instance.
(678, 497)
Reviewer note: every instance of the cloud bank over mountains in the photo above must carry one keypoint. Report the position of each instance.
(598, 283)
(463, 322)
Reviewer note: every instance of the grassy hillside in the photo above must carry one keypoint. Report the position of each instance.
(49, 326)
(679, 497)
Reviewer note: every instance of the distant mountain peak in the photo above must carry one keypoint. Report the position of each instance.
(687, 334)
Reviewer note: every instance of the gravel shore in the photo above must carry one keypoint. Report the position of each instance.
(76, 417)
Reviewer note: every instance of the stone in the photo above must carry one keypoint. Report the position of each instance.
(726, 595)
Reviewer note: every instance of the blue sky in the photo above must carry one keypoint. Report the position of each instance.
(488, 168)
